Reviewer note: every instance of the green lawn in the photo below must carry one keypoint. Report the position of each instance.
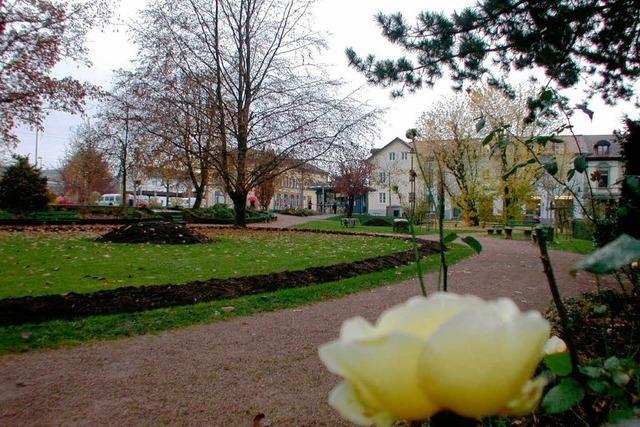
(561, 243)
(334, 223)
(578, 246)
(40, 264)
(58, 333)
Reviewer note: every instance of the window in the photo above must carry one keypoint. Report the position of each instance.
(383, 177)
(383, 197)
(392, 155)
(405, 155)
(602, 177)
(602, 148)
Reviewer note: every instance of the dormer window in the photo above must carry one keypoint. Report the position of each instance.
(602, 148)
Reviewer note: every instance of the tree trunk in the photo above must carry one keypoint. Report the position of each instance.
(240, 207)
(199, 194)
(350, 202)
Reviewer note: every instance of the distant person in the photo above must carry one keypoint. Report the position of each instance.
(335, 208)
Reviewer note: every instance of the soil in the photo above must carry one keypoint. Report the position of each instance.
(154, 232)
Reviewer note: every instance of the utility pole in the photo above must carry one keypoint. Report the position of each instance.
(35, 158)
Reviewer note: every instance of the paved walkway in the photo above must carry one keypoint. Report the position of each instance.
(223, 374)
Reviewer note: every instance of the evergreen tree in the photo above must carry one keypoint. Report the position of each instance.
(571, 40)
(629, 208)
(23, 188)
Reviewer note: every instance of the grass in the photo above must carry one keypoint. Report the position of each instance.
(561, 243)
(334, 223)
(59, 333)
(578, 246)
(40, 264)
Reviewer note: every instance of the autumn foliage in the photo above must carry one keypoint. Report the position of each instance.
(36, 35)
(352, 181)
(85, 172)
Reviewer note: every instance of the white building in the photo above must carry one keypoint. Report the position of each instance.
(392, 165)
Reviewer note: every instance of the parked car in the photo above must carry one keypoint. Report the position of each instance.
(113, 199)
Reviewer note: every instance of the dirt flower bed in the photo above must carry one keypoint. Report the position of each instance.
(154, 232)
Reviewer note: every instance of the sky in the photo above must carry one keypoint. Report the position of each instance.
(346, 23)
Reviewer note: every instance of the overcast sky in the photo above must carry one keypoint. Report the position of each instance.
(346, 22)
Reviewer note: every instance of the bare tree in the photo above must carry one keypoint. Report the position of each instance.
(85, 171)
(268, 94)
(119, 126)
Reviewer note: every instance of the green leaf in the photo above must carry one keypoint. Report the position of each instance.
(570, 174)
(592, 371)
(559, 363)
(472, 243)
(551, 167)
(585, 109)
(580, 163)
(620, 415)
(546, 95)
(480, 124)
(598, 386)
(487, 139)
(600, 309)
(449, 238)
(612, 363)
(563, 396)
(621, 378)
(518, 166)
(622, 251)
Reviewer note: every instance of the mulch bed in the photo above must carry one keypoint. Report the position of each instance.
(154, 232)
(14, 311)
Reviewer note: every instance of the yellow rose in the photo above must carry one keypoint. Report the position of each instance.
(445, 352)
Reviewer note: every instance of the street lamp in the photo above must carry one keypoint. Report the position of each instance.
(412, 182)
(412, 134)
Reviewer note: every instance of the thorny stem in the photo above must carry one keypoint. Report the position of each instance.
(443, 259)
(417, 255)
(567, 333)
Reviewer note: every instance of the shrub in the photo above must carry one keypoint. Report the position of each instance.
(218, 210)
(23, 188)
(297, 212)
(582, 229)
(378, 222)
(401, 226)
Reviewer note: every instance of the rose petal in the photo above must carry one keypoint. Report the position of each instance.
(422, 316)
(356, 328)
(344, 399)
(475, 363)
(527, 401)
(383, 373)
(555, 345)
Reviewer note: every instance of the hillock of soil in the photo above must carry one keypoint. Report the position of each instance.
(154, 232)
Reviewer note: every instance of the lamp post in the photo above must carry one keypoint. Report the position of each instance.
(412, 182)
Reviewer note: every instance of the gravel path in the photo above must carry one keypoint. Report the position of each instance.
(223, 374)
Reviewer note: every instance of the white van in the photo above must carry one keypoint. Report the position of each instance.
(112, 199)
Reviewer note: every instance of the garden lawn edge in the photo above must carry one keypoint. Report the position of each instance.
(15, 311)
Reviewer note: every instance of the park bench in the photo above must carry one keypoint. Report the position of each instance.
(526, 227)
(494, 227)
(349, 222)
(62, 216)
